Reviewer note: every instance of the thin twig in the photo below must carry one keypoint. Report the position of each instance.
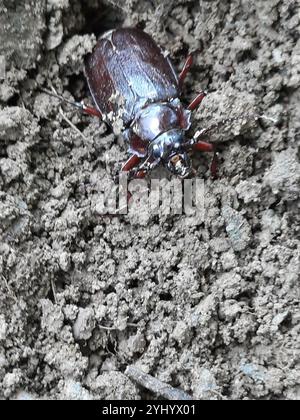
(129, 324)
(55, 94)
(156, 386)
(12, 295)
(118, 6)
(71, 124)
(53, 291)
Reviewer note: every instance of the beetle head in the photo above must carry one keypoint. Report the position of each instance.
(168, 149)
(179, 164)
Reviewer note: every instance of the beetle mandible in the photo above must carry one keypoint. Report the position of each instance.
(131, 78)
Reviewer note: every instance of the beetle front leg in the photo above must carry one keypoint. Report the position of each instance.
(141, 171)
(132, 168)
(144, 168)
(131, 163)
(203, 146)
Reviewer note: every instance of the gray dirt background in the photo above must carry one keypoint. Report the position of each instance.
(211, 308)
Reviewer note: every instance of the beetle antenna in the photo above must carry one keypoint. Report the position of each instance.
(79, 105)
(219, 124)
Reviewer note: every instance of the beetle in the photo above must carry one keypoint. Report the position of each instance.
(132, 80)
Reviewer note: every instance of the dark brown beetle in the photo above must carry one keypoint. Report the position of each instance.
(131, 79)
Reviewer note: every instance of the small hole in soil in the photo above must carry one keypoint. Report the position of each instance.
(247, 55)
(109, 290)
(84, 348)
(3, 152)
(61, 280)
(244, 141)
(286, 324)
(111, 347)
(141, 25)
(133, 283)
(88, 231)
(275, 204)
(227, 76)
(50, 296)
(166, 296)
(245, 296)
(77, 86)
(13, 101)
(102, 18)
(183, 52)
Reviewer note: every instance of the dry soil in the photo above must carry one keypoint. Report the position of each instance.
(211, 307)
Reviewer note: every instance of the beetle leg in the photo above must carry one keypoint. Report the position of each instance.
(208, 147)
(131, 163)
(90, 111)
(202, 146)
(214, 166)
(197, 101)
(187, 65)
(137, 170)
(139, 174)
(130, 167)
(144, 168)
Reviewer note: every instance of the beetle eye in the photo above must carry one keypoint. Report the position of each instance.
(175, 159)
(157, 151)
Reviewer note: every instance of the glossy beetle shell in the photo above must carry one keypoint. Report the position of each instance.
(127, 71)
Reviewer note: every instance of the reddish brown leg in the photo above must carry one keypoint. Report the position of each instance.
(140, 174)
(187, 65)
(90, 111)
(214, 166)
(131, 163)
(202, 146)
(197, 101)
